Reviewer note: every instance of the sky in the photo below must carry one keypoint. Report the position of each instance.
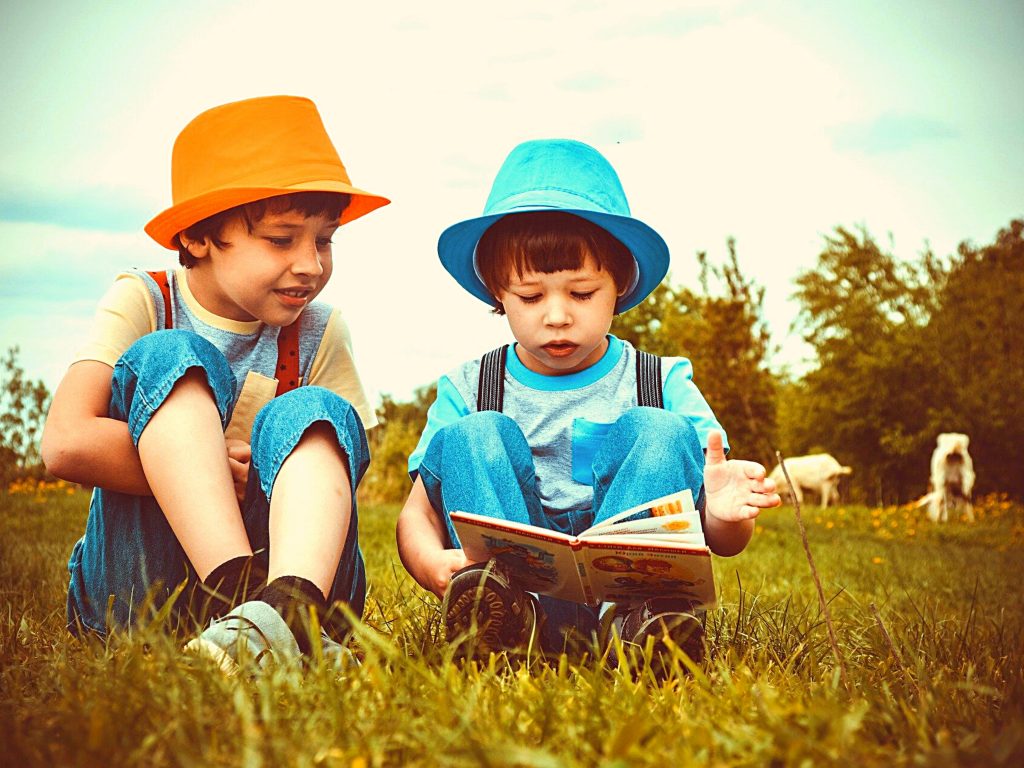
(769, 122)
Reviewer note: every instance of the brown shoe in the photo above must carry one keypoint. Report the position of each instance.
(664, 619)
(485, 609)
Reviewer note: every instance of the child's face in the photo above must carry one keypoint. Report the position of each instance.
(269, 274)
(560, 319)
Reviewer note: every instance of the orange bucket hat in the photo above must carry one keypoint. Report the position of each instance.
(249, 150)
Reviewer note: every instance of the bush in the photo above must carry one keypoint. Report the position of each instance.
(23, 406)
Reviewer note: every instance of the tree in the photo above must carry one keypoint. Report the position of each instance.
(726, 336)
(907, 350)
(976, 337)
(23, 406)
(862, 311)
(401, 424)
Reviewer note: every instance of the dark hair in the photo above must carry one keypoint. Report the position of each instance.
(546, 242)
(308, 204)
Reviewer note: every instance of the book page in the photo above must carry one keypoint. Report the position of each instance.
(631, 569)
(542, 561)
(685, 525)
(691, 540)
(675, 508)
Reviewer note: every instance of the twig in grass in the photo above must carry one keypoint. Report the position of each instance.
(814, 574)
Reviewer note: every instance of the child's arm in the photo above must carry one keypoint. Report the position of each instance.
(421, 543)
(81, 444)
(736, 492)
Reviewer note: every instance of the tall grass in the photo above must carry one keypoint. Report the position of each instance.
(929, 623)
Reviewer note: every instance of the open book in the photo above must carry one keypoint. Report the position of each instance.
(654, 550)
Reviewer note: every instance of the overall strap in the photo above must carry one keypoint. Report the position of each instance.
(491, 387)
(288, 358)
(287, 340)
(490, 392)
(165, 289)
(648, 380)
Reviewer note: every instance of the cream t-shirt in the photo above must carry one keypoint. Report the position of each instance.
(127, 312)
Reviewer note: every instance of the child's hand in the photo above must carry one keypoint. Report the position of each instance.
(736, 490)
(440, 568)
(239, 456)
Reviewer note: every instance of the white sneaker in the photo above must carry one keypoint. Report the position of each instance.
(251, 634)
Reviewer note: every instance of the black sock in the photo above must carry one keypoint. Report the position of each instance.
(229, 584)
(293, 597)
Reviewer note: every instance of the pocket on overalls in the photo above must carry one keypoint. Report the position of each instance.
(587, 438)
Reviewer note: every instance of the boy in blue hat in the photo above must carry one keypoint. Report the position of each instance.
(569, 425)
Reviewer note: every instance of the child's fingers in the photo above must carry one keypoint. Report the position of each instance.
(715, 452)
(239, 451)
(745, 512)
(766, 500)
(753, 470)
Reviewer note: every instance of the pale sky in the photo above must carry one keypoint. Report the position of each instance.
(772, 122)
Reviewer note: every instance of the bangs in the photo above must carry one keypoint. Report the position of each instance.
(329, 204)
(548, 242)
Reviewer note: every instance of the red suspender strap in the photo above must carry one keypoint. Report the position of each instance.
(288, 358)
(165, 289)
(287, 341)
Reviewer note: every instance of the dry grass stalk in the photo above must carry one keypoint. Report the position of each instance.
(814, 573)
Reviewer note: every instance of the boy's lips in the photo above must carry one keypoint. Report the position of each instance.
(560, 348)
(294, 297)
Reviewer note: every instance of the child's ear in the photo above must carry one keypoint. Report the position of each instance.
(199, 249)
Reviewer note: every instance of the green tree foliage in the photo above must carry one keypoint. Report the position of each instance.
(23, 406)
(861, 310)
(387, 479)
(907, 350)
(728, 341)
(975, 339)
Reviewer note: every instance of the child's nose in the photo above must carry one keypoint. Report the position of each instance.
(307, 262)
(557, 314)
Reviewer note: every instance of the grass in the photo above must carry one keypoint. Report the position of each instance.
(929, 622)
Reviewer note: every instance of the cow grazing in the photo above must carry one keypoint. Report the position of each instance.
(817, 472)
(952, 478)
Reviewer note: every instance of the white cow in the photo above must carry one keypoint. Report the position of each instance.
(952, 478)
(818, 472)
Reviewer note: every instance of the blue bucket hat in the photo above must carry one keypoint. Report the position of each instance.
(562, 175)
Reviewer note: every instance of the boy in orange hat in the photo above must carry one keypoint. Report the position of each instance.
(216, 408)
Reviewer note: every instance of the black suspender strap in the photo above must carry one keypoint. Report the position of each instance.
(648, 380)
(490, 391)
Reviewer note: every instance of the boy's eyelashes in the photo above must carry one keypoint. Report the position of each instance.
(533, 298)
(286, 242)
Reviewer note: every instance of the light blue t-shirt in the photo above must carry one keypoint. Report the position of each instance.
(565, 418)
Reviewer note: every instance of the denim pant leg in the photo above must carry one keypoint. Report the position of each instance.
(128, 552)
(276, 431)
(648, 453)
(482, 464)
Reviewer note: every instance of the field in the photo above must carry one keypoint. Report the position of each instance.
(927, 668)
